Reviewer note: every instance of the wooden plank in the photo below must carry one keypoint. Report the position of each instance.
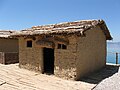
(61, 40)
(44, 43)
(116, 58)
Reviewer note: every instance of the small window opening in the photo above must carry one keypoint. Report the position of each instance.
(59, 46)
(62, 46)
(29, 43)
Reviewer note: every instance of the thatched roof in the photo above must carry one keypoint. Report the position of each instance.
(67, 28)
(6, 34)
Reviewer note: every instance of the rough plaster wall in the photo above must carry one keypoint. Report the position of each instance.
(91, 50)
(30, 58)
(83, 55)
(65, 60)
(8, 45)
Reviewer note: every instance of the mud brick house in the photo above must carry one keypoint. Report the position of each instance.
(8, 48)
(68, 50)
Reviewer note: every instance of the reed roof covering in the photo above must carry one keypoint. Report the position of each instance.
(66, 28)
(6, 34)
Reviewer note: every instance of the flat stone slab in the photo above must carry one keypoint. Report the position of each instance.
(102, 74)
(110, 83)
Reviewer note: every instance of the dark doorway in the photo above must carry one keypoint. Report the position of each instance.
(48, 60)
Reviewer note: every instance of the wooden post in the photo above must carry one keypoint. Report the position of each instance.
(116, 58)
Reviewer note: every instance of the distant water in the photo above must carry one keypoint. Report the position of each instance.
(112, 48)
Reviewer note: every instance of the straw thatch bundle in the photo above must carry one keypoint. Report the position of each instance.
(6, 34)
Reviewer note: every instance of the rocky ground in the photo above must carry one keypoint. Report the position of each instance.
(110, 83)
(14, 78)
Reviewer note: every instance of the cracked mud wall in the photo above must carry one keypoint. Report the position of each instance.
(30, 58)
(65, 60)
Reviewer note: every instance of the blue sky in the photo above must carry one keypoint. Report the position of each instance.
(21, 14)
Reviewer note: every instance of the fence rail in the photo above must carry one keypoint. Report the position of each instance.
(114, 52)
(116, 56)
(8, 57)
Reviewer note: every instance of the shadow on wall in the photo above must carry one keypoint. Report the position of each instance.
(100, 75)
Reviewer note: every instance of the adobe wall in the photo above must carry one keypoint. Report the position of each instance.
(8, 45)
(91, 52)
(30, 58)
(83, 55)
(65, 60)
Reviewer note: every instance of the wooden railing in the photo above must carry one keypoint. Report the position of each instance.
(9, 57)
(116, 56)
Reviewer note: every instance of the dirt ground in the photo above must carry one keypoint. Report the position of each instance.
(14, 78)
